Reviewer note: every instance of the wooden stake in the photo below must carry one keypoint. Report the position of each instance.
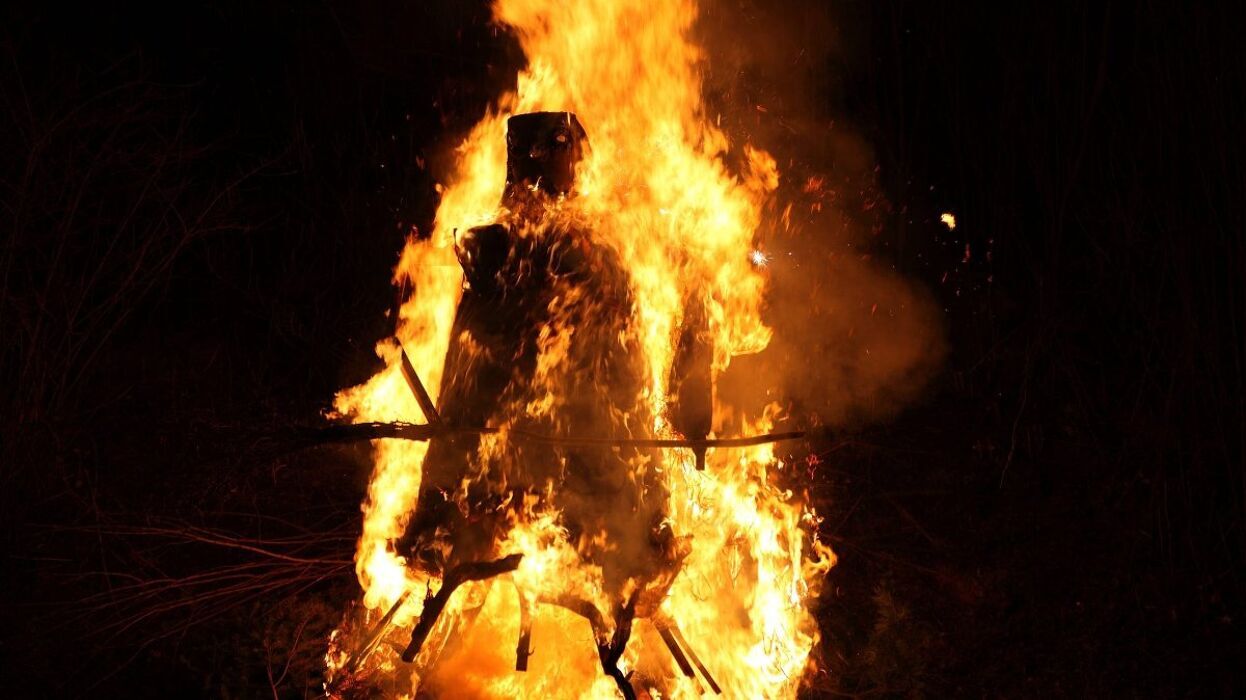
(679, 637)
(673, 645)
(421, 394)
(524, 649)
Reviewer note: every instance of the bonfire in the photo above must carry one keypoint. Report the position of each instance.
(561, 504)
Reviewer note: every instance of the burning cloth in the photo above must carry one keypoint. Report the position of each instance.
(541, 343)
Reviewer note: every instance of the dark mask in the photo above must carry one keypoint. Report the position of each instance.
(542, 151)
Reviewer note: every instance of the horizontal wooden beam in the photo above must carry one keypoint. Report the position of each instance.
(357, 432)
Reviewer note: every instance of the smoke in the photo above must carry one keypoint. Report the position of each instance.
(854, 341)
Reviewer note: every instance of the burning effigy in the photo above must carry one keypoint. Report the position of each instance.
(579, 514)
(539, 269)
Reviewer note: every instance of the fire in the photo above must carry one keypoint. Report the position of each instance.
(659, 194)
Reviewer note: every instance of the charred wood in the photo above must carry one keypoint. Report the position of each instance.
(455, 577)
(360, 432)
(374, 637)
(692, 381)
(524, 649)
(669, 638)
(670, 626)
(421, 394)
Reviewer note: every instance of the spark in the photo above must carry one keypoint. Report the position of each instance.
(758, 258)
(949, 219)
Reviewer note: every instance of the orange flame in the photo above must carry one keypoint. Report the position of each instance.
(658, 191)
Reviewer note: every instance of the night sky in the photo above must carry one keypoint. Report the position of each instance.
(202, 202)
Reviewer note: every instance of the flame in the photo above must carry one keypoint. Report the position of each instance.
(658, 190)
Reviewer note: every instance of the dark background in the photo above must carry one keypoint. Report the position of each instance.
(201, 202)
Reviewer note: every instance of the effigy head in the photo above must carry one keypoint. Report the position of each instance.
(542, 152)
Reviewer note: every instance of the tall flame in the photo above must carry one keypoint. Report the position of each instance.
(658, 189)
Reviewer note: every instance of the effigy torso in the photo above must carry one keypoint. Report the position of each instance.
(543, 344)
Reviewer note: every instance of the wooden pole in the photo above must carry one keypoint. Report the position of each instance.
(358, 432)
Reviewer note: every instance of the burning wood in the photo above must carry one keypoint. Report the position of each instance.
(459, 575)
(375, 636)
(418, 432)
(677, 644)
(524, 648)
(421, 394)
